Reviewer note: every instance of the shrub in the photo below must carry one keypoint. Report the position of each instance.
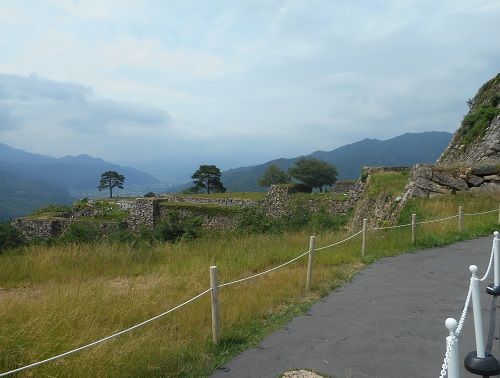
(254, 220)
(322, 220)
(173, 228)
(10, 237)
(81, 232)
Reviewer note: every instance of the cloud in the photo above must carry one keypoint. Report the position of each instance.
(251, 80)
(68, 116)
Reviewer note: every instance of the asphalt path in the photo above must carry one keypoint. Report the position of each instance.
(388, 321)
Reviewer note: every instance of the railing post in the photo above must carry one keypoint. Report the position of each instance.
(452, 342)
(365, 236)
(310, 263)
(476, 311)
(477, 361)
(413, 228)
(496, 260)
(460, 218)
(214, 283)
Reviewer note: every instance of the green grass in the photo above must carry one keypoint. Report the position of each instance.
(56, 298)
(236, 195)
(390, 183)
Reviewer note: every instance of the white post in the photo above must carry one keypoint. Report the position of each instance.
(214, 283)
(453, 366)
(496, 259)
(365, 236)
(476, 310)
(498, 214)
(460, 218)
(413, 228)
(310, 263)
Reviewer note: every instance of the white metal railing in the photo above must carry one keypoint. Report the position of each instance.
(453, 335)
(479, 362)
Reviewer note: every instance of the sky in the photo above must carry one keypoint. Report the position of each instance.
(236, 83)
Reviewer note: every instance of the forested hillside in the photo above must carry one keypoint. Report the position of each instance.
(407, 149)
(21, 195)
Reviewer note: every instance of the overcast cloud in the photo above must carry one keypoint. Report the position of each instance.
(236, 83)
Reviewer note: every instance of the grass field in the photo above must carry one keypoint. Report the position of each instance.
(56, 298)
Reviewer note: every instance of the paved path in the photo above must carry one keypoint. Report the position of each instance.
(387, 322)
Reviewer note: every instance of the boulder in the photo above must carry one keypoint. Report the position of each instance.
(486, 169)
(492, 178)
(474, 180)
(449, 180)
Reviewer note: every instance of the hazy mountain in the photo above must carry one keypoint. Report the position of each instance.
(68, 172)
(30, 181)
(407, 149)
(21, 195)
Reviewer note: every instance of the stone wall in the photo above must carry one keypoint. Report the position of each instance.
(44, 229)
(148, 212)
(40, 228)
(279, 197)
(277, 200)
(144, 213)
(210, 222)
(427, 181)
(344, 186)
(380, 208)
(210, 201)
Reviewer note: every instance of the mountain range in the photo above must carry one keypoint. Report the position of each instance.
(29, 181)
(407, 149)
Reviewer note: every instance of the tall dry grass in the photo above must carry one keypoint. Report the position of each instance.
(58, 298)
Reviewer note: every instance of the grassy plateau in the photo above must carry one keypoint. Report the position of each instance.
(60, 297)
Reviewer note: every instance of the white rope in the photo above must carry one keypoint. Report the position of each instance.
(245, 279)
(461, 322)
(438, 220)
(102, 340)
(484, 212)
(340, 242)
(389, 227)
(490, 264)
(288, 262)
(262, 273)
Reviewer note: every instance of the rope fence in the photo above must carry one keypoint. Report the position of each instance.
(215, 286)
(480, 361)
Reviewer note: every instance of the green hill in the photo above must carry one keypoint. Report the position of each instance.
(21, 195)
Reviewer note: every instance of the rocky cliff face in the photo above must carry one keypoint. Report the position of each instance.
(477, 140)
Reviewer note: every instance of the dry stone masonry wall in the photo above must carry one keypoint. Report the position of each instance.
(427, 181)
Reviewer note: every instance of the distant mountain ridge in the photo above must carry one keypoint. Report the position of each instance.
(407, 149)
(29, 181)
(69, 172)
(21, 195)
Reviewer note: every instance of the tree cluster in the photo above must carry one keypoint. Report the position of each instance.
(312, 172)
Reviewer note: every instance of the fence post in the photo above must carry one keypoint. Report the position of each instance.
(413, 228)
(476, 311)
(365, 236)
(310, 263)
(498, 214)
(214, 283)
(477, 361)
(460, 218)
(453, 367)
(496, 260)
